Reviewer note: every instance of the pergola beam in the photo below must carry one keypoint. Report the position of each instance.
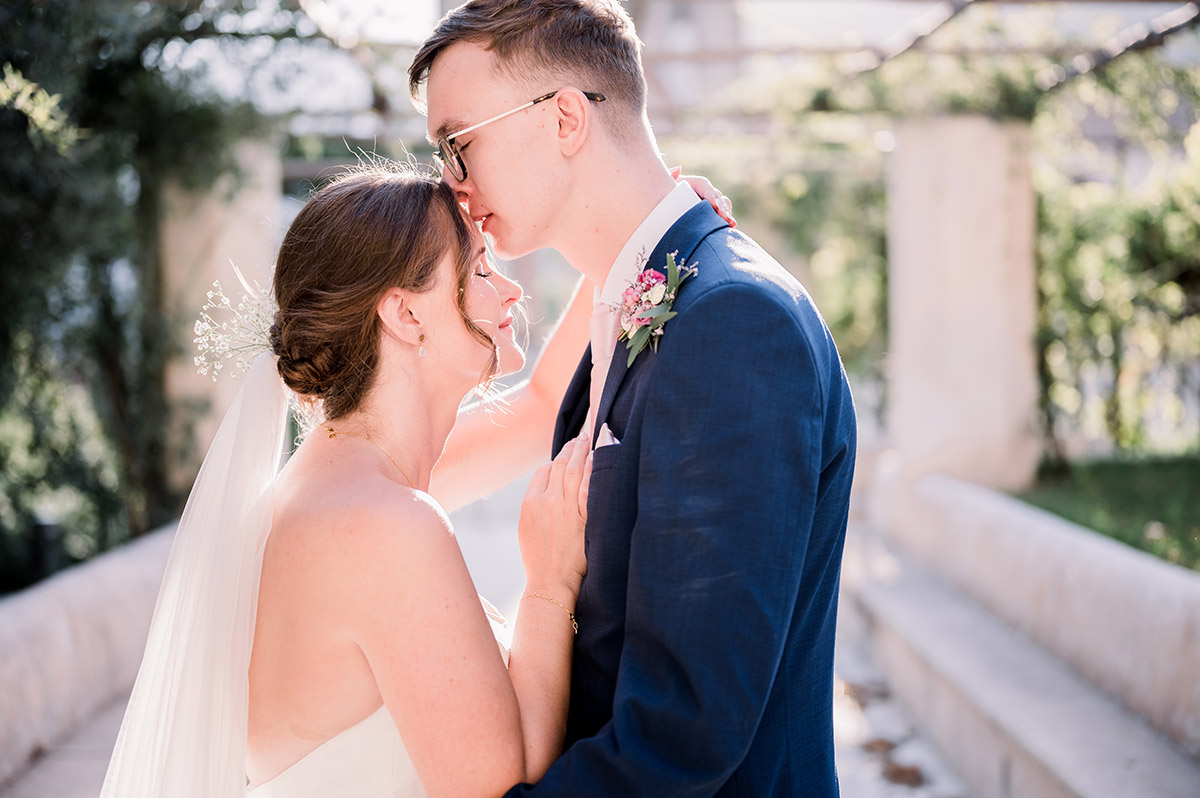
(1021, 2)
(912, 34)
(1142, 36)
(739, 53)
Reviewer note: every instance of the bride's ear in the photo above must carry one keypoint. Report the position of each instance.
(398, 317)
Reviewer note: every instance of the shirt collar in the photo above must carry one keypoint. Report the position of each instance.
(632, 257)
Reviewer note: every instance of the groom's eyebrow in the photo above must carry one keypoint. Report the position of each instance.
(448, 127)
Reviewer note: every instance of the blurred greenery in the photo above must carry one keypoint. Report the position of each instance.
(1117, 175)
(95, 120)
(1119, 257)
(1152, 505)
(97, 116)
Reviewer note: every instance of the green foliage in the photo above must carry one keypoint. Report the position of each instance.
(1118, 242)
(916, 84)
(94, 120)
(46, 120)
(1152, 505)
(1119, 260)
(56, 464)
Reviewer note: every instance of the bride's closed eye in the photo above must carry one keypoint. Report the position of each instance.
(485, 269)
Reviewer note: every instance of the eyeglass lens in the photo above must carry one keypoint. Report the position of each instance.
(448, 157)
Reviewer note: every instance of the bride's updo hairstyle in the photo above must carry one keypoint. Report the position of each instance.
(372, 229)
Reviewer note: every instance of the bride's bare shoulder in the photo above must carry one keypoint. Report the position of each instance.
(356, 520)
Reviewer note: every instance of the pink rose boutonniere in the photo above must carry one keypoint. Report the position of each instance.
(646, 305)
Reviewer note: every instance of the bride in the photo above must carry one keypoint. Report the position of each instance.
(317, 632)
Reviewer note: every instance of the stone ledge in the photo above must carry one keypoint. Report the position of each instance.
(1013, 719)
(1127, 621)
(72, 644)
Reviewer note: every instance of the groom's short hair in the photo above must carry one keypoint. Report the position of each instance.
(590, 44)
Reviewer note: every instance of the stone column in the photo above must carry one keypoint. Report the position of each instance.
(962, 301)
(238, 221)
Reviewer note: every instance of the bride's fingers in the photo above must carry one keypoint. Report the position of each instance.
(583, 486)
(559, 466)
(574, 472)
(540, 481)
(711, 194)
(724, 209)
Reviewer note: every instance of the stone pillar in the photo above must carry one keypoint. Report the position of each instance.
(238, 221)
(962, 301)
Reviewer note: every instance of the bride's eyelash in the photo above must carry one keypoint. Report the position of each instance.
(485, 271)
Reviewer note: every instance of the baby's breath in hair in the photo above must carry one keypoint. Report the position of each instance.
(242, 337)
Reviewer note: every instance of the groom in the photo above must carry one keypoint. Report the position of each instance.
(724, 455)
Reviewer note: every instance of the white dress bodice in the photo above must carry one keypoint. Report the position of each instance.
(367, 760)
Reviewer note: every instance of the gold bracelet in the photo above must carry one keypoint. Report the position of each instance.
(571, 615)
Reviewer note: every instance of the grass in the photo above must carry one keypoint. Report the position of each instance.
(1152, 505)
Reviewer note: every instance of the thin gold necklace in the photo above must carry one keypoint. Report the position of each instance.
(334, 433)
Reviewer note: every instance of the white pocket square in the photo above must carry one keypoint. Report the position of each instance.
(605, 437)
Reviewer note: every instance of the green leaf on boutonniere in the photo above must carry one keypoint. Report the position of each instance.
(672, 274)
(661, 319)
(637, 343)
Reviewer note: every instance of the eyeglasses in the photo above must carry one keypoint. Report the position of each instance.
(450, 157)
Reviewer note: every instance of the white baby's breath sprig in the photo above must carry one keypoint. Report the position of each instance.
(241, 337)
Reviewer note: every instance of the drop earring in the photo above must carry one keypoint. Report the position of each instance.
(421, 351)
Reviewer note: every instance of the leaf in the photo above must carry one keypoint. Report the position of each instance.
(662, 319)
(654, 312)
(637, 343)
(672, 274)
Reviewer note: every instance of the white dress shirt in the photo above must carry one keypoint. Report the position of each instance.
(605, 324)
(632, 257)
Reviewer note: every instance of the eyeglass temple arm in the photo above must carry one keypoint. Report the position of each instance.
(594, 96)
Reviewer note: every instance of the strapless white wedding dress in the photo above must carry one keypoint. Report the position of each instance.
(367, 760)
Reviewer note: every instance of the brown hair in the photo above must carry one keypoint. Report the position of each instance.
(588, 43)
(372, 229)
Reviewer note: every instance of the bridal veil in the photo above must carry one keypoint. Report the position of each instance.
(184, 732)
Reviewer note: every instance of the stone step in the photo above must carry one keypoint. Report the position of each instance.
(1015, 721)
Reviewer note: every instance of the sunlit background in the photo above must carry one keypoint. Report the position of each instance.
(129, 123)
(996, 205)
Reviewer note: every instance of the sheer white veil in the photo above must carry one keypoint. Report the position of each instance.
(184, 733)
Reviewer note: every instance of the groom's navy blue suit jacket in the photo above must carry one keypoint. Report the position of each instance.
(704, 660)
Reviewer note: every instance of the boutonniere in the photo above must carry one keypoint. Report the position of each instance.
(646, 305)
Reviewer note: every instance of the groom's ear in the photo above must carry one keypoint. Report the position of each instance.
(575, 120)
(398, 318)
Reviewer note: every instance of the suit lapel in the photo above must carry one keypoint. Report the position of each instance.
(683, 238)
(574, 407)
